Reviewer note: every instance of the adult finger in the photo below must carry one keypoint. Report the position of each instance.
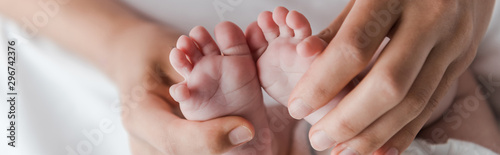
(153, 122)
(392, 76)
(347, 55)
(311, 45)
(329, 32)
(379, 132)
(404, 137)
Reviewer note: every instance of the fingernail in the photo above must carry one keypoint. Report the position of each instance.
(240, 135)
(349, 151)
(320, 141)
(298, 109)
(392, 151)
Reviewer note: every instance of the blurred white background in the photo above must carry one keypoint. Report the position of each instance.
(62, 101)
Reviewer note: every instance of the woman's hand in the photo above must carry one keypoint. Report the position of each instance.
(133, 52)
(151, 117)
(432, 43)
(154, 128)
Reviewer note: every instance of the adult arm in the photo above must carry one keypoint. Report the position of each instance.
(133, 51)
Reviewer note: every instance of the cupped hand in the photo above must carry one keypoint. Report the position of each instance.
(143, 73)
(432, 43)
(154, 128)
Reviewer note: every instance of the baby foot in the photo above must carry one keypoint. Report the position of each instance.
(285, 49)
(220, 84)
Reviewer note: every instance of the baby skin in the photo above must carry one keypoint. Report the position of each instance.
(284, 49)
(226, 79)
(221, 80)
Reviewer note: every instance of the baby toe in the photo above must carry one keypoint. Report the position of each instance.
(279, 16)
(186, 45)
(231, 39)
(180, 63)
(299, 24)
(205, 42)
(269, 27)
(256, 40)
(310, 46)
(179, 92)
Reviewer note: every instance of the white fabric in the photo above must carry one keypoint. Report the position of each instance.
(452, 147)
(62, 95)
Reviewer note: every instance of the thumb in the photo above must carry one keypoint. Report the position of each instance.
(153, 123)
(222, 134)
(215, 136)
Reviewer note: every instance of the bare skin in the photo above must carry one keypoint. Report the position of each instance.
(145, 58)
(283, 58)
(462, 119)
(414, 72)
(221, 80)
(280, 62)
(134, 52)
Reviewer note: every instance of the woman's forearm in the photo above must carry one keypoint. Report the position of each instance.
(103, 31)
